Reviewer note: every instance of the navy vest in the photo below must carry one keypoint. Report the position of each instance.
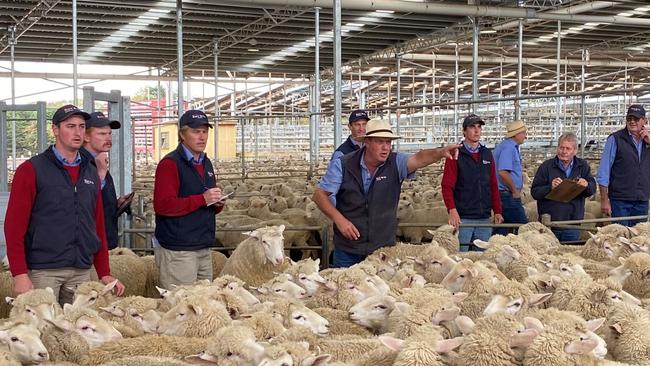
(374, 214)
(629, 177)
(109, 199)
(195, 230)
(472, 193)
(348, 146)
(62, 230)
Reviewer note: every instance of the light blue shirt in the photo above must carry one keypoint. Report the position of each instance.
(507, 157)
(190, 157)
(472, 149)
(607, 159)
(62, 160)
(566, 169)
(331, 181)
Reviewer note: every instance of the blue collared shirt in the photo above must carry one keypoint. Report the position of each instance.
(62, 160)
(608, 156)
(472, 149)
(507, 157)
(331, 181)
(190, 157)
(566, 169)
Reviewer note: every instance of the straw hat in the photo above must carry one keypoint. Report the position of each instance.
(515, 127)
(379, 128)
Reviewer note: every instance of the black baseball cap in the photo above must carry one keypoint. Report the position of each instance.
(194, 119)
(358, 115)
(66, 112)
(472, 119)
(97, 119)
(636, 110)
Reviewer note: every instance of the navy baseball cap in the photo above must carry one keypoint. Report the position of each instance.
(358, 115)
(66, 112)
(472, 119)
(98, 119)
(194, 119)
(636, 110)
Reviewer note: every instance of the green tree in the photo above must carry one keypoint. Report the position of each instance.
(148, 93)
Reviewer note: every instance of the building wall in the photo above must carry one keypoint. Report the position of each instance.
(169, 133)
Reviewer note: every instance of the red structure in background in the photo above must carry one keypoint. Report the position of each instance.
(144, 115)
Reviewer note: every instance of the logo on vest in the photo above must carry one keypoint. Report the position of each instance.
(380, 178)
(210, 174)
(486, 162)
(88, 181)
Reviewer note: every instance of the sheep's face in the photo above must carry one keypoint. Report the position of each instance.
(372, 312)
(506, 255)
(620, 273)
(92, 297)
(303, 316)
(503, 304)
(404, 209)
(243, 293)
(272, 243)
(174, 321)
(310, 282)
(283, 360)
(43, 311)
(381, 287)
(149, 320)
(455, 280)
(570, 269)
(287, 289)
(96, 330)
(246, 353)
(24, 342)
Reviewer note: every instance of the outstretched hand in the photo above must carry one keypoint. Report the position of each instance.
(451, 151)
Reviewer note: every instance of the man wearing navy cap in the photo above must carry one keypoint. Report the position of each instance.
(357, 123)
(56, 215)
(186, 200)
(469, 186)
(98, 141)
(624, 172)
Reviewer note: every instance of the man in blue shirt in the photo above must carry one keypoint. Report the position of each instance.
(357, 123)
(367, 184)
(565, 165)
(509, 174)
(624, 171)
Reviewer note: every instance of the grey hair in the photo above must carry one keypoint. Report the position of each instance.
(568, 136)
(184, 128)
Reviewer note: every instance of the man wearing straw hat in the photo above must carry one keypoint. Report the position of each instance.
(510, 175)
(624, 171)
(367, 185)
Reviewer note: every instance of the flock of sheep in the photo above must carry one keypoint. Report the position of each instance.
(526, 300)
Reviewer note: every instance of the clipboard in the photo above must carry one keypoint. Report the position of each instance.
(126, 205)
(568, 190)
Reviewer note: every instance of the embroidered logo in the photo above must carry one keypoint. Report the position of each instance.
(210, 174)
(486, 162)
(380, 178)
(88, 181)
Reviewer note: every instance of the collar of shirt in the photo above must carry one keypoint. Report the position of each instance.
(472, 149)
(190, 157)
(565, 168)
(62, 160)
(355, 142)
(366, 177)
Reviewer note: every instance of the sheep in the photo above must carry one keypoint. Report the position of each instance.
(497, 339)
(266, 327)
(75, 332)
(6, 289)
(512, 297)
(194, 317)
(617, 230)
(340, 323)
(258, 257)
(146, 361)
(233, 238)
(130, 271)
(434, 311)
(406, 213)
(434, 263)
(634, 274)
(232, 345)
(278, 204)
(425, 348)
(153, 276)
(218, 261)
(347, 350)
(294, 314)
(446, 236)
(633, 245)
(149, 345)
(601, 247)
(39, 303)
(23, 341)
(305, 273)
(468, 276)
(628, 333)
(94, 294)
(280, 286)
(349, 287)
(374, 311)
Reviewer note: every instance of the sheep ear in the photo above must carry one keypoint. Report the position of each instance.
(624, 240)
(109, 287)
(317, 261)
(633, 231)
(50, 290)
(592, 235)
(447, 345)
(523, 339)
(62, 323)
(195, 308)
(383, 257)
(581, 347)
(482, 244)
(532, 271)
(280, 228)
(432, 232)
(201, 359)
(537, 299)
(67, 308)
(402, 307)
(533, 323)
(511, 251)
(459, 297)
(320, 360)
(10, 300)
(163, 292)
(622, 260)
(645, 274)
(465, 324)
(594, 324)
(392, 343)
(616, 327)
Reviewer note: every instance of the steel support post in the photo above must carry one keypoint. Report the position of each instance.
(583, 126)
(217, 109)
(475, 35)
(337, 73)
(179, 54)
(12, 43)
(317, 118)
(456, 95)
(398, 113)
(558, 105)
(520, 51)
(75, 81)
